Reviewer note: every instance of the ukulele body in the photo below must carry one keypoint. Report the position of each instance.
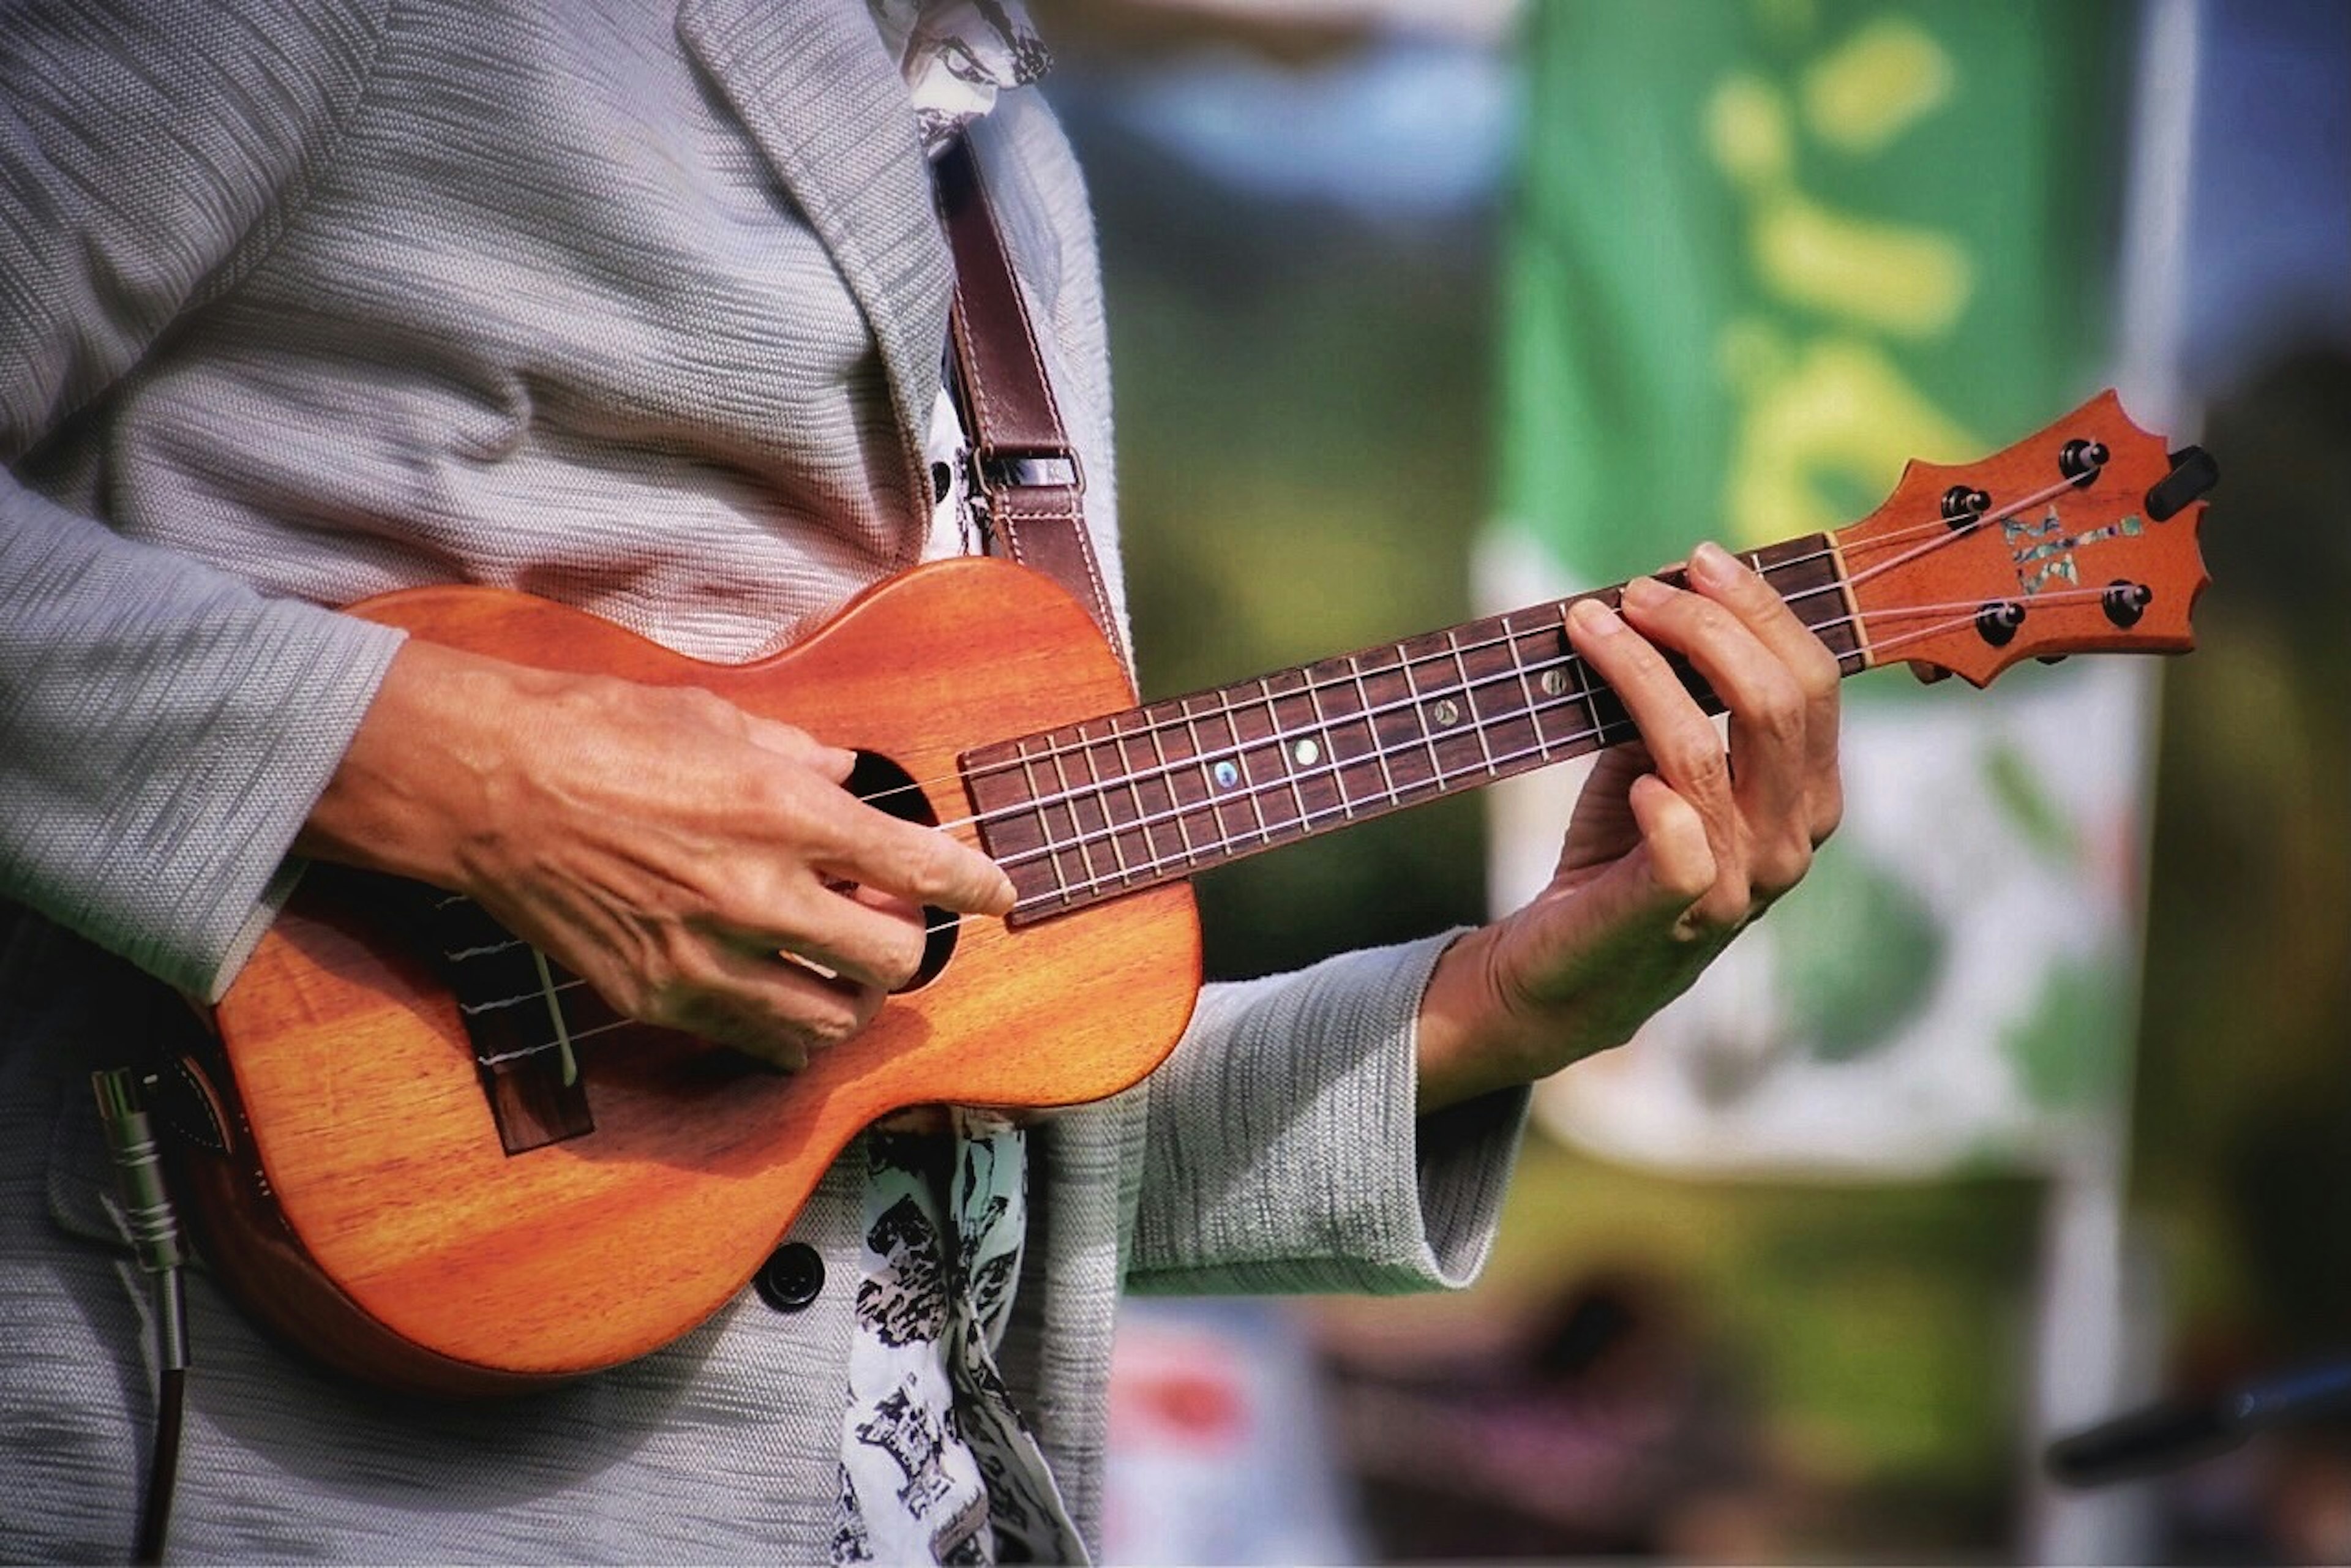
(362, 1201)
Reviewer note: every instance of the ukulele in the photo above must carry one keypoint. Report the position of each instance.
(435, 1160)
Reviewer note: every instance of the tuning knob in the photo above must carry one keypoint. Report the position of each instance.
(2193, 472)
(1928, 674)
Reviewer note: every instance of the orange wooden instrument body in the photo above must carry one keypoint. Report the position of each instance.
(365, 1207)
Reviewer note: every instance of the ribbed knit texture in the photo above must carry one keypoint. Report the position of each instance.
(634, 309)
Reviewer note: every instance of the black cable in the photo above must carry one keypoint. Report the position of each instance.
(2176, 1432)
(154, 1230)
(155, 1518)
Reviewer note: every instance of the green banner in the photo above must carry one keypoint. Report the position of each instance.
(1766, 251)
(1769, 249)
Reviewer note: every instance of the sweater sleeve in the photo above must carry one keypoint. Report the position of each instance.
(1282, 1153)
(164, 730)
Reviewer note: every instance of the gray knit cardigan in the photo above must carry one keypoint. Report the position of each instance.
(634, 305)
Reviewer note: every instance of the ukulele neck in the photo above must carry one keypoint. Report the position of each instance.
(1132, 799)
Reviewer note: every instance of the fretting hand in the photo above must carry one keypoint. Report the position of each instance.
(1674, 846)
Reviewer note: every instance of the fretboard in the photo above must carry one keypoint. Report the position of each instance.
(1132, 799)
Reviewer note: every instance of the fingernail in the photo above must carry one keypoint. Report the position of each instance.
(1646, 592)
(1591, 616)
(1717, 565)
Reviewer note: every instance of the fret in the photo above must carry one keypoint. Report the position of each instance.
(1469, 697)
(1013, 829)
(1524, 732)
(1438, 712)
(1064, 835)
(1560, 718)
(1354, 740)
(1079, 748)
(1804, 572)
(1277, 795)
(1121, 796)
(1139, 798)
(1114, 792)
(1190, 780)
(1153, 803)
(1167, 799)
(1407, 765)
(1285, 752)
(1422, 717)
(1370, 709)
(1589, 688)
(1313, 768)
(1229, 783)
(1337, 761)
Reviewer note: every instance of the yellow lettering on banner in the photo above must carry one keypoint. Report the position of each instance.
(1748, 133)
(1837, 404)
(1906, 282)
(1876, 85)
(1840, 407)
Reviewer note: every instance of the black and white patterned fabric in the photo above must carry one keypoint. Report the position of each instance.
(937, 1464)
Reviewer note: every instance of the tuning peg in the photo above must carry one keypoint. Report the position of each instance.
(1928, 674)
(2193, 472)
(2050, 658)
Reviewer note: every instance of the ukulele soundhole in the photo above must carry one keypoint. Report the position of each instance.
(886, 786)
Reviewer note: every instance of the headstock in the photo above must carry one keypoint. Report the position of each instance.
(2079, 539)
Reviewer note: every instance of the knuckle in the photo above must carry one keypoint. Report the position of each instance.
(1710, 622)
(1777, 706)
(708, 707)
(1685, 877)
(1697, 763)
(1776, 873)
(1724, 908)
(835, 1018)
(664, 1004)
(904, 957)
(1827, 814)
(1818, 671)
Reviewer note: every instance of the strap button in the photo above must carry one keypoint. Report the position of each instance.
(792, 1278)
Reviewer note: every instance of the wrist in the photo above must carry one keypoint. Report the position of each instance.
(1467, 1041)
(437, 743)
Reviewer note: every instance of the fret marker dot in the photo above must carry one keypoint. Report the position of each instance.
(1305, 751)
(1449, 712)
(1553, 683)
(1226, 775)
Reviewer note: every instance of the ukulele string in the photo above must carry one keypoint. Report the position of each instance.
(1962, 615)
(1937, 534)
(1162, 771)
(1266, 833)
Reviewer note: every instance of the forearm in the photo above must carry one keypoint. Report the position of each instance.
(164, 732)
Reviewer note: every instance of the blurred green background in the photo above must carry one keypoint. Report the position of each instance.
(1305, 394)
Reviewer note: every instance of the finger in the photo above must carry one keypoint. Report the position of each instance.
(766, 1007)
(1682, 868)
(833, 762)
(1688, 752)
(865, 936)
(1602, 827)
(1719, 574)
(1769, 756)
(855, 842)
(1672, 868)
(1611, 923)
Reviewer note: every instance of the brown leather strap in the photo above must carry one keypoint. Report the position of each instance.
(1028, 470)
